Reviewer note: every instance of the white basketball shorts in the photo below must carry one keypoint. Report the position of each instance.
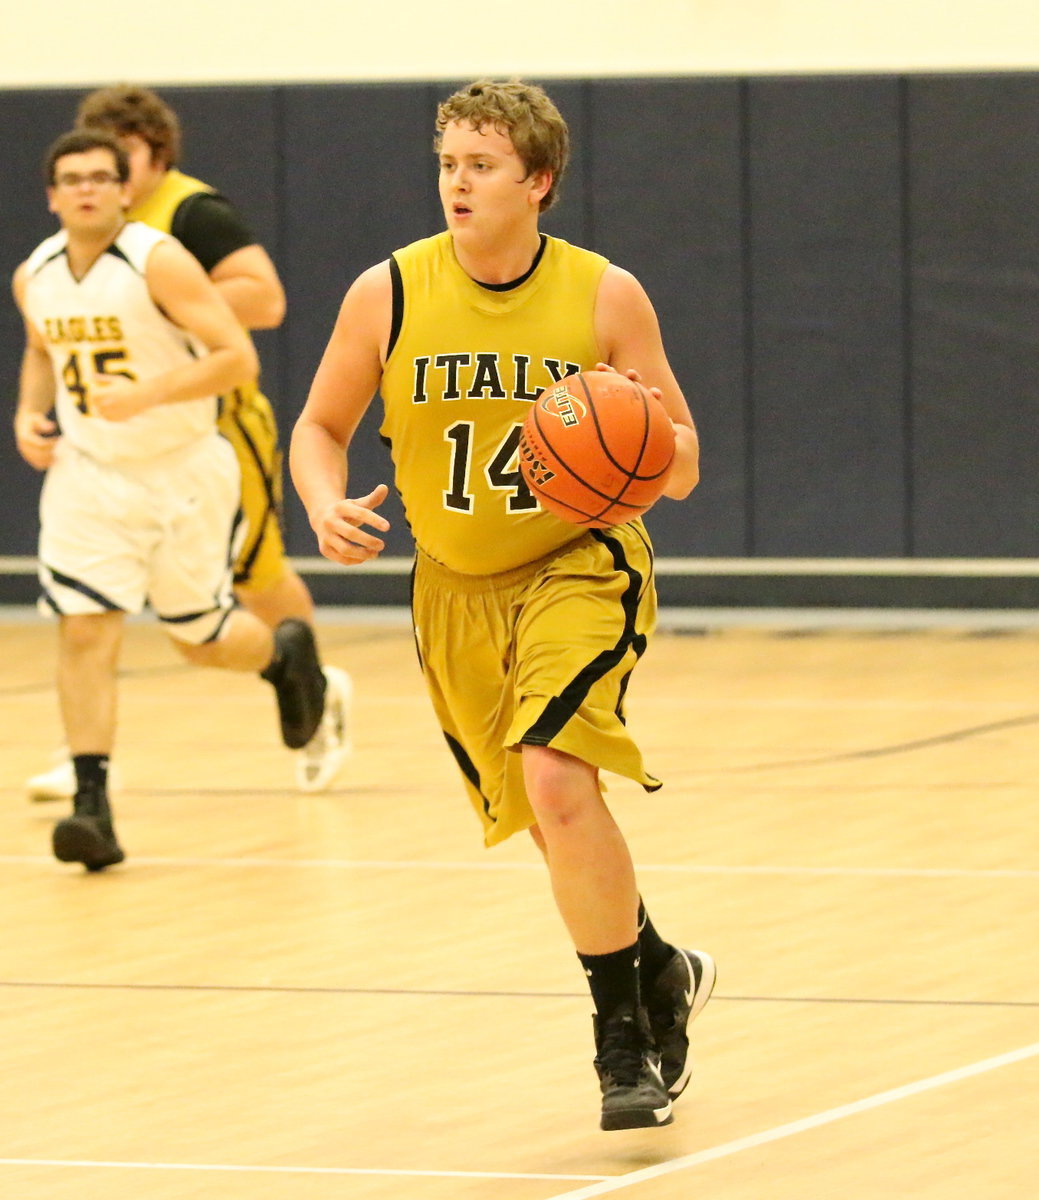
(163, 531)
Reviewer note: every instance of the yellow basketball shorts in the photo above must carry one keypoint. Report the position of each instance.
(542, 656)
(247, 422)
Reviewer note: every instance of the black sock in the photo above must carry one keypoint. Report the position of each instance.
(613, 979)
(272, 671)
(654, 952)
(91, 772)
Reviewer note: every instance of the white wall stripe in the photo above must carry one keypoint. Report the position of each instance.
(1017, 568)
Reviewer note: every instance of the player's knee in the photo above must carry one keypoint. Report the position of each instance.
(560, 788)
(91, 633)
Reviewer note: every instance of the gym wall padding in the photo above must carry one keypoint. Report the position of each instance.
(846, 271)
(974, 270)
(29, 122)
(668, 206)
(359, 181)
(826, 312)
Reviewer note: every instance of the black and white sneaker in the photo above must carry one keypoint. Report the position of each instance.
(675, 997)
(634, 1095)
(87, 836)
(295, 671)
(318, 763)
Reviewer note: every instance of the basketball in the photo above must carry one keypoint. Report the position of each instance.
(595, 449)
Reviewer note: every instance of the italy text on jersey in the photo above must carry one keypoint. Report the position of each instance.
(492, 378)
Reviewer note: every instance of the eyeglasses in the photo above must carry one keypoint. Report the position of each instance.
(71, 180)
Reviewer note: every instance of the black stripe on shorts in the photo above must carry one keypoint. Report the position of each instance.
(467, 767)
(84, 589)
(561, 708)
(270, 511)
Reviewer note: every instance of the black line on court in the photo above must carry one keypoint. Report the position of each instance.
(464, 993)
(941, 739)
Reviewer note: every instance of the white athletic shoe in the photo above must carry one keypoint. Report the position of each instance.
(59, 783)
(318, 763)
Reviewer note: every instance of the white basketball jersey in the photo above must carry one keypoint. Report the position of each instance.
(107, 324)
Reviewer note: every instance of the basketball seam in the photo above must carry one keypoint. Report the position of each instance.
(610, 502)
(630, 475)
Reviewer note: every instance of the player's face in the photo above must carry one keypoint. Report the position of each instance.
(485, 190)
(87, 196)
(145, 172)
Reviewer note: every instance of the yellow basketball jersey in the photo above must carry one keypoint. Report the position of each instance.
(466, 365)
(246, 420)
(160, 207)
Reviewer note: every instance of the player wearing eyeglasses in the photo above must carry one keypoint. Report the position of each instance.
(130, 343)
(216, 232)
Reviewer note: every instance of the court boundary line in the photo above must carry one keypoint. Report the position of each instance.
(260, 1169)
(601, 1184)
(792, 1128)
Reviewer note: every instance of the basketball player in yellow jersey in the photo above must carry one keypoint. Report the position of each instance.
(528, 628)
(209, 226)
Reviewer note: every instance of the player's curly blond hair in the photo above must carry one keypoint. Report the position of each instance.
(521, 112)
(125, 109)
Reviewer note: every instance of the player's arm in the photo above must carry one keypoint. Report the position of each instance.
(217, 234)
(629, 335)
(182, 290)
(346, 380)
(248, 280)
(33, 429)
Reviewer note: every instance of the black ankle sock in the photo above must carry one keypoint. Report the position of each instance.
(654, 952)
(613, 979)
(272, 671)
(91, 771)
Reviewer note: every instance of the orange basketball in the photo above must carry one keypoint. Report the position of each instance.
(595, 448)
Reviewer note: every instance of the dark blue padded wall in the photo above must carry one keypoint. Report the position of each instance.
(845, 271)
(359, 182)
(570, 217)
(826, 313)
(29, 122)
(232, 140)
(669, 208)
(974, 224)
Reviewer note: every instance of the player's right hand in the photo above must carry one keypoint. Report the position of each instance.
(339, 533)
(35, 434)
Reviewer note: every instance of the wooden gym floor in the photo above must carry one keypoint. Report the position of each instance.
(288, 996)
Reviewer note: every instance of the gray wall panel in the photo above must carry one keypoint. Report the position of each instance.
(827, 312)
(360, 181)
(29, 122)
(846, 271)
(975, 316)
(669, 208)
